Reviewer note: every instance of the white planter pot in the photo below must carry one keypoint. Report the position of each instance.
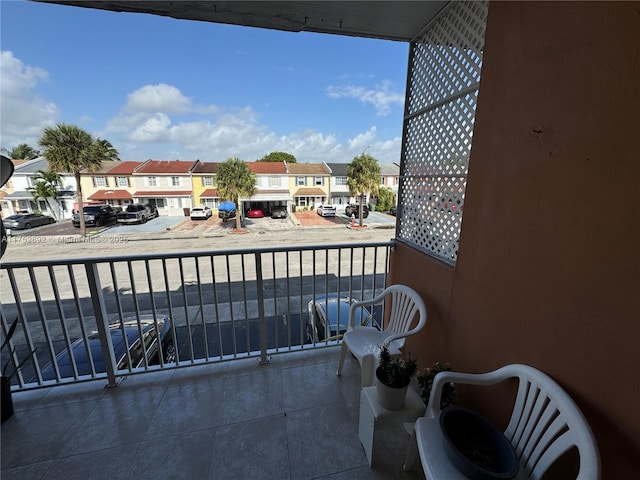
(389, 397)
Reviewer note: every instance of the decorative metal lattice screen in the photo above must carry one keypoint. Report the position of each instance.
(444, 76)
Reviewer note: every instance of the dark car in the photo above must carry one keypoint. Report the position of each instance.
(354, 208)
(150, 343)
(96, 215)
(335, 309)
(393, 211)
(279, 211)
(27, 220)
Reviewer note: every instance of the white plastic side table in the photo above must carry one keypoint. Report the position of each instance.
(374, 417)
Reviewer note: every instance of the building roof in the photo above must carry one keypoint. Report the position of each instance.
(205, 167)
(164, 167)
(267, 168)
(110, 195)
(389, 169)
(338, 169)
(123, 168)
(32, 166)
(106, 165)
(310, 192)
(307, 169)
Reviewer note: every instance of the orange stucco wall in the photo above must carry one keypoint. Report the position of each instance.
(548, 271)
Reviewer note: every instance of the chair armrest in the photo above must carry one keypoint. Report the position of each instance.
(442, 378)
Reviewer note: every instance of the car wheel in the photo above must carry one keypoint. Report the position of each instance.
(98, 222)
(51, 220)
(144, 219)
(27, 225)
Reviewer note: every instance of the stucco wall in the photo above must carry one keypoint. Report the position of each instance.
(548, 264)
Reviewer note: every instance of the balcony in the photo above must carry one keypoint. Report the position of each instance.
(249, 395)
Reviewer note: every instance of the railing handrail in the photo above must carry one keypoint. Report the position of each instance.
(195, 253)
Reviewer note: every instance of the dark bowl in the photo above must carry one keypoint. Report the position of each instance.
(477, 448)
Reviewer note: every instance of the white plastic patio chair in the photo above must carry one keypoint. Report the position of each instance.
(544, 424)
(364, 342)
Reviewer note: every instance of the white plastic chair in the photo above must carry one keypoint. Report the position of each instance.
(364, 342)
(544, 424)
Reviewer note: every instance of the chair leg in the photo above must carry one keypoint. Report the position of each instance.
(343, 353)
(411, 453)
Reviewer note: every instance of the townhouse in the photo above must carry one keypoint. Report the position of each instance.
(309, 184)
(166, 184)
(112, 184)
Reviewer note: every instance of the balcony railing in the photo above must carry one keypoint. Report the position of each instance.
(222, 305)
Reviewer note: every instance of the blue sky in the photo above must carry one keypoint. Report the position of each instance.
(169, 89)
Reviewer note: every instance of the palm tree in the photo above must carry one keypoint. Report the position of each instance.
(363, 177)
(22, 152)
(70, 149)
(46, 187)
(234, 179)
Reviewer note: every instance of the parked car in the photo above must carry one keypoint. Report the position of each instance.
(330, 307)
(201, 213)
(326, 210)
(354, 208)
(150, 335)
(255, 212)
(137, 213)
(393, 211)
(226, 210)
(279, 211)
(27, 220)
(96, 215)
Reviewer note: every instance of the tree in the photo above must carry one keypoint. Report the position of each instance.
(278, 157)
(70, 149)
(46, 187)
(385, 199)
(22, 152)
(363, 177)
(234, 179)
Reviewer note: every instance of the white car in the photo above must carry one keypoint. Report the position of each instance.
(201, 213)
(326, 210)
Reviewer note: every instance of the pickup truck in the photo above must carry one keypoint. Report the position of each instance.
(137, 213)
(96, 215)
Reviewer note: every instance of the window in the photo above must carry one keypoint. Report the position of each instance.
(318, 180)
(122, 181)
(274, 181)
(175, 181)
(207, 181)
(301, 181)
(301, 201)
(100, 181)
(152, 181)
(381, 180)
(157, 202)
(341, 181)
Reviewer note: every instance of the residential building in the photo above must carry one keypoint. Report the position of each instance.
(166, 184)
(203, 184)
(112, 184)
(339, 187)
(272, 182)
(310, 184)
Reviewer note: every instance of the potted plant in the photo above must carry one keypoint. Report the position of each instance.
(393, 379)
(6, 399)
(425, 381)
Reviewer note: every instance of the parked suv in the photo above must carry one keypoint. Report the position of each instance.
(354, 208)
(201, 213)
(96, 215)
(137, 213)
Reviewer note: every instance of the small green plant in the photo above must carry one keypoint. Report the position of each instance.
(395, 372)
(425, 381)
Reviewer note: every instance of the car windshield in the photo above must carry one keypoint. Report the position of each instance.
(15, 217)
(88, 209)
(135, 208)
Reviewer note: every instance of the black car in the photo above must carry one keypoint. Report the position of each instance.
(393, 211)
(136, 348)
(354, 208)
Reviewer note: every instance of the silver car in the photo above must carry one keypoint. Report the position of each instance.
(27, 220)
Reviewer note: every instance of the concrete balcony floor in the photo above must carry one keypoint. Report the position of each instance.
(290, 419)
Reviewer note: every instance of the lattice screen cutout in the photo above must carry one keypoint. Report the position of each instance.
(440, 113)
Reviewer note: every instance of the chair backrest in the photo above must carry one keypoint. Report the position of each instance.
(546, 422)
(406, 303)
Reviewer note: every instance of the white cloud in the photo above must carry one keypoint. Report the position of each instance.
(23, 112)
(381, 97)
(157, 98)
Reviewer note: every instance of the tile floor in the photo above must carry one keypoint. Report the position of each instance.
(290, 419)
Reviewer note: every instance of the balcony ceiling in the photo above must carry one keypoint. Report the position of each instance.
(389, 20)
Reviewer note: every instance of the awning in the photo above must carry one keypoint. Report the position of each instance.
(163, 193)
(110, 195)
(209, 193)
(310, 192)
